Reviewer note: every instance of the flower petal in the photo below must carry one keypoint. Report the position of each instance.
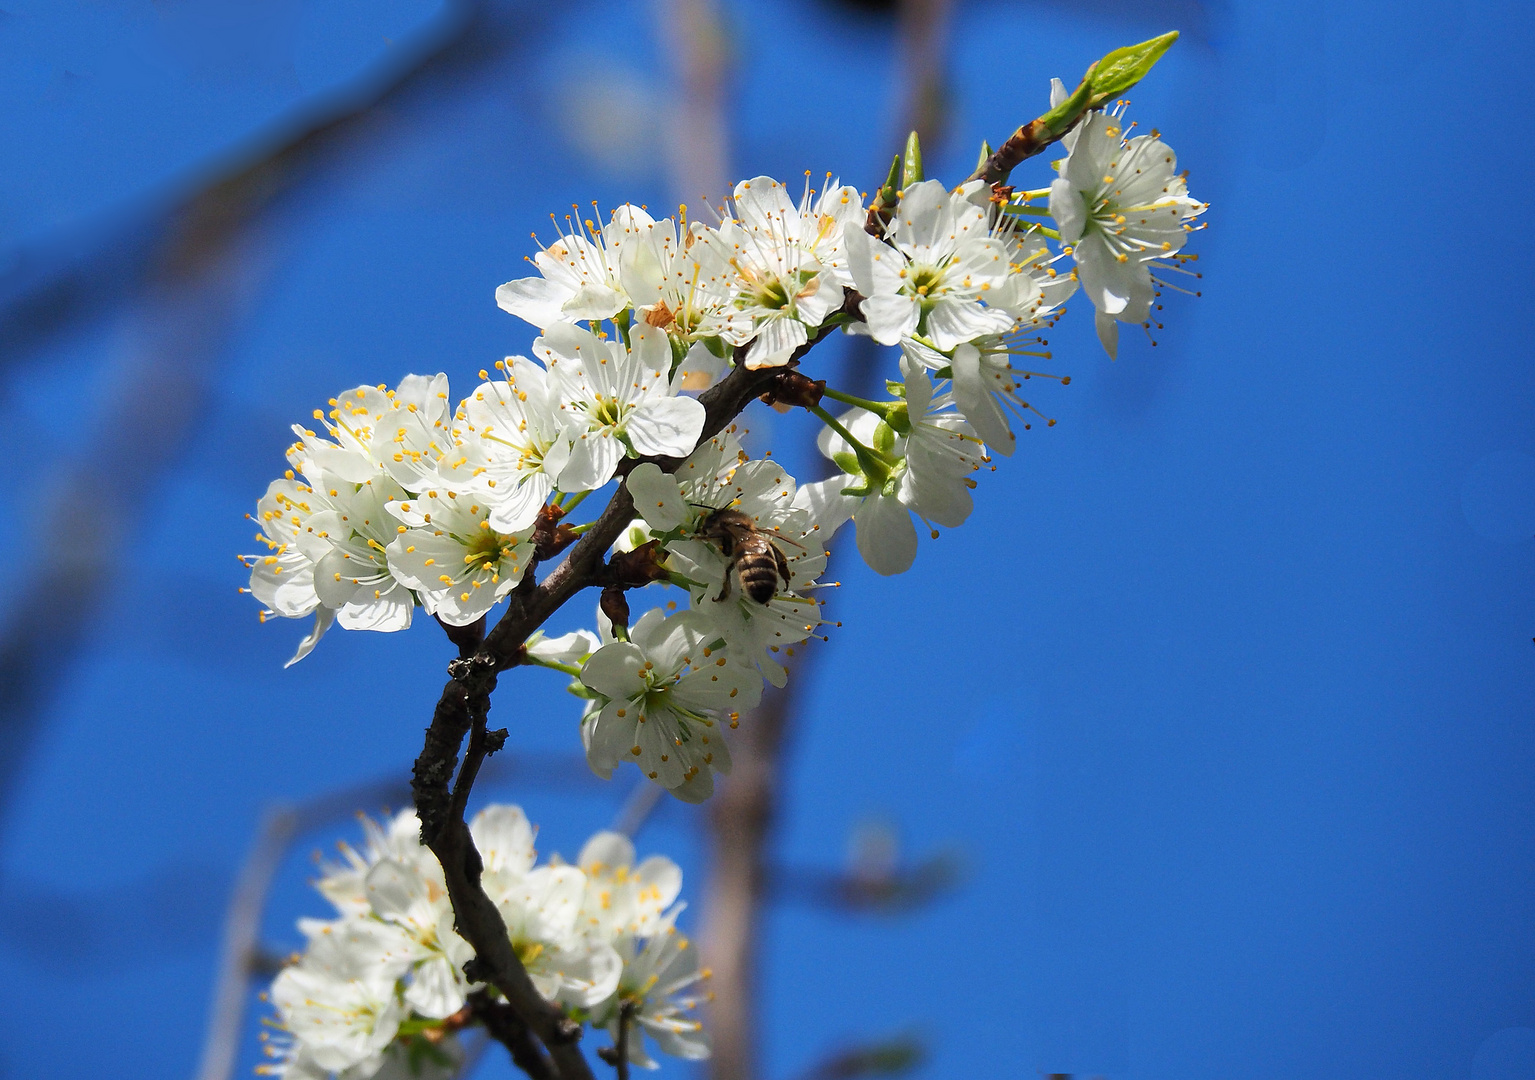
(532, 299)
(614, 670)
(657, 497)
(666, 427)
(887, 539)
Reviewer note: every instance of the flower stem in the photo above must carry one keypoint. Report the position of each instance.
(875, 465)
(569, 669)
(880, 409)
(573, 501)
(1036, 211)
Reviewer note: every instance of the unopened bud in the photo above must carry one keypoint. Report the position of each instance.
(1121, 69)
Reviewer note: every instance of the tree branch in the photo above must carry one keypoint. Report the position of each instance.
(465, 701)
(507, 1028)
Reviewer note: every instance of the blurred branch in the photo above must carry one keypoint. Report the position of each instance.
(923, 29)
(175, 233)
(638, 806)
(237, 950)
(699, 148)
(192, 278)
(240, 957)
(892, 1057)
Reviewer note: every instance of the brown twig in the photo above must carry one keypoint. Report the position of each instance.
(507, 1028)
(625, 1015)
(241, 959)
(462, 708)
(1030, 139)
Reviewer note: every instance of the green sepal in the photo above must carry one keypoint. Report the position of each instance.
(717, 346)
(858, 491)
(847, 461)
(884, 437)
(898, 419)
(911, 162)
(679, 352)
(980, 162)
(889, 192)
(895, 389)
(621, 324)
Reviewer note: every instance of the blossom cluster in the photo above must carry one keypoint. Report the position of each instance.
(409, 498)
(380, 989)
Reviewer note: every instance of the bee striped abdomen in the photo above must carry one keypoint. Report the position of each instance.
(759, 576)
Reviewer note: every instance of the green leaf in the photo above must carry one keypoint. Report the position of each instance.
(1117, 72)
(911, 162)
(980, 162)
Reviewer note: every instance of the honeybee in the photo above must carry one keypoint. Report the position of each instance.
(754, 554)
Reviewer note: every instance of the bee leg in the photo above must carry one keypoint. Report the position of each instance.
(725, 588)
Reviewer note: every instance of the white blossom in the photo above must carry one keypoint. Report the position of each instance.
(936, 274)
(282, 577)
(658, 979)
(1122, 205)
(580, 277)
(720, 477)
(571, 648)
(447, 551)
(504, 838)
(394, 956)
(1034, 289)
(678, 280)
(511, 441)
(343, 1019)
(400, 895)
(401, 432)
(926, 471)
(886, 538)
(790, 265)
(617, 400)
(986, 386)
(942, 450)
(353, 575)
(344, 883)
(622, 898)
(666, 695)
(541, 911)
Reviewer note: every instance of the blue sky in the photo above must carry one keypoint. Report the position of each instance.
(1223, 695)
